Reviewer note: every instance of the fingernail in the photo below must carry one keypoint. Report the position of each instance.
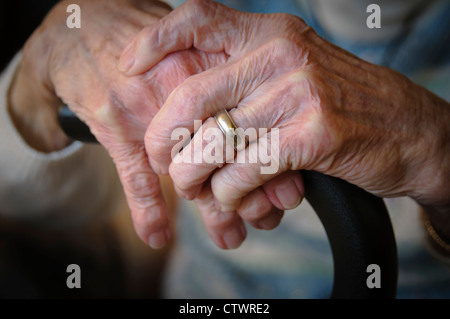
(234, 237)
(159, 239)
(270, 222)
(127, 59)
(289, 195)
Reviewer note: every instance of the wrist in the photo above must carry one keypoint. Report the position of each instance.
(431, 187)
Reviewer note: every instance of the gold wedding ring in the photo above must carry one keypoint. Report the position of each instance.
(229, 129)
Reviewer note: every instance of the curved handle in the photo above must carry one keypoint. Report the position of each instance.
(356, 222)
(360, 233)
(74, 127)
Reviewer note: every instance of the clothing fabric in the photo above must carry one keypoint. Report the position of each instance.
(47, 187)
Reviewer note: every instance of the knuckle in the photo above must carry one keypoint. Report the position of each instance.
(185, 94)
(136, 176)
(292, 48)
(289, 23)
(189, 98)
(180, 177)
(141, 186)
(156, 143)
(227, 187)
(294, 22)
(282, 51)
(280, 43)
(286, 19)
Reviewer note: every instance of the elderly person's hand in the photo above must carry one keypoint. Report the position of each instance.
(336, 114)
(77, 67)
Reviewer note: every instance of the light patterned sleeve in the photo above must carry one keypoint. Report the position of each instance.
(75, 184)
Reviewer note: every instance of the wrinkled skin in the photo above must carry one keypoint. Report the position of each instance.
(78, 67)
(336, 114)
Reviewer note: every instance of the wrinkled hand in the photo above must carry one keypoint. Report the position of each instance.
(77, 67)
(336, 114)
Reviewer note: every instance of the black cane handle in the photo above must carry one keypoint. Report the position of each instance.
(357, 224)
(74, 127)
(360, 233)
